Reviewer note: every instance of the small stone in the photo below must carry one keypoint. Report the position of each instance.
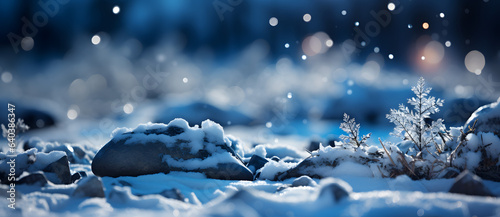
(77, 176)
(89, 187)
(275, 158)
(173, 193)
(469, 184)
(256, 162)
(334, 189)
(449, 173)
(313, 145)
(35, 178)
(303, 181)
(61, 169)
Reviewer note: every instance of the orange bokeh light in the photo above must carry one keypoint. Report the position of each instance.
(425, 25)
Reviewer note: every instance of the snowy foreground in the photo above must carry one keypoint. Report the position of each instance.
(350, 188)
(210, 197)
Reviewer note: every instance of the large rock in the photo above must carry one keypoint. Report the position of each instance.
(486, 119)
(160, 148)
(470, 184)
(90, 186)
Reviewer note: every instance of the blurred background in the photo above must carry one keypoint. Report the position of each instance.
(78, 69)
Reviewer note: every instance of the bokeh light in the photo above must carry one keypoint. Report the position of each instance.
(475, 62)
(96, 39)
(273, 21)
(425, 25)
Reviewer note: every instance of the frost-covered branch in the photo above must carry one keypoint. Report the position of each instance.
(352, 129)
(410, 125)
(20, 128)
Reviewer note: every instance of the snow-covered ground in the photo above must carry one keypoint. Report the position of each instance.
(209, 197)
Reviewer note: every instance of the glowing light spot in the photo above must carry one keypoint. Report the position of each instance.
(316, 44)
(356, 23)
(376, 49)
(306, 18)
(185, 80)
(6, 77)
(96, 39)
(289, 95)
(350, 82)
(287, 45)
(269, 124)
(410, 26)
(441, 15)
(27, 43)
(425, 25)
(349, 92)
(433, 52)
(391, 6)
(329, 43)
(474, 61)
(116, 9)
(344, 12)
(128, 108)
(72, 114)
(363, 43)
(447, 43)
(273, 21)
(391, 56)
(420, 212)
(304, 57)
(405, 81)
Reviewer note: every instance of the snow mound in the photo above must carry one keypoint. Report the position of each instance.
(161, 148)
(486, 119)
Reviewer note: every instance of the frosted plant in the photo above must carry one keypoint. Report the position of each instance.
(20, 128)
(352, 129)
(411, 125)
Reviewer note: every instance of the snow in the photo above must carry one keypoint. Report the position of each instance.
(352, 169)
(260, 150)
(272, 168)
(44, 159)
(195, 163)
(369, 197)
(194, 136)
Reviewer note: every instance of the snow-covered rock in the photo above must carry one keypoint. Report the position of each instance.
(60, 169)
(76, 153)
(334, 190)
(160, 148)
(54, 165)
(89, 187)
(77, 176)
(35, 178)
(470, 184)
(256, 162)
(330, 161)
(486, 119)
(303, 181)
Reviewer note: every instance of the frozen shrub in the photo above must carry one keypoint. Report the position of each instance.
(411, 124)
(352, 129)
